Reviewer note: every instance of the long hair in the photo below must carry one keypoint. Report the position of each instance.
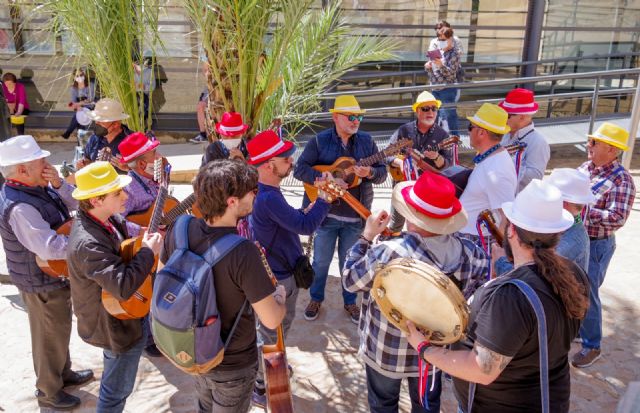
(556, 270)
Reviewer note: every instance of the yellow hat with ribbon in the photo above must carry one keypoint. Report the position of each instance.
(425, 97)
(98, 178)
(492, 118)
(612, 134)
(347, 104)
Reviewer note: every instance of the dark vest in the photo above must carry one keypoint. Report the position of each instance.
(24, 271)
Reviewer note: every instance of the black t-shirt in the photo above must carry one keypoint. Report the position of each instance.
(239, 276)
(503, 321)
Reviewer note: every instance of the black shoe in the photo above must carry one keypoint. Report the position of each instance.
(62, 401)
(152, 351)
(78, 377)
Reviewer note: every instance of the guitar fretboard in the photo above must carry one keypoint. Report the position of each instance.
(179, 209)
(156, 216)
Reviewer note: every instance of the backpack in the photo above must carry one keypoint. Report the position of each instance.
(185, 320)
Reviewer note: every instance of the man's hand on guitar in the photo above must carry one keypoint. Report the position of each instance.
(431, 154)
(280, 295)
(115, 161)
(153, 242)
(81, 163)
(236, 153)
(496, 252)
(362, 171)
(376, 223)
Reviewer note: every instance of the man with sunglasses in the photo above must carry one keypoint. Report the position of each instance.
(531, 160)
(615, 192)
(343, 224)
(426, 134)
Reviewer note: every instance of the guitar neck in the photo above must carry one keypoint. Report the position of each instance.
(487, 218)
(156, 216)
(178, 210)
(360, 209)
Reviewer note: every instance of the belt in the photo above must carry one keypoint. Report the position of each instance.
(600, 238)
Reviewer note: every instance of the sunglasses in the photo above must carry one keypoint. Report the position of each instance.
(353, 117)
(471, 126)
(592, 142)
(428, 108)
(510, 115)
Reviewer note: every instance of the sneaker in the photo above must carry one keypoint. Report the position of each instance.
(198, 139)
(259, 398)
(585, 357)
(311, 312)
(353, 311)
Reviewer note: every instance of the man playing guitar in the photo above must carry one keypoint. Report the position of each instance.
(33, 202)
(95, 265)
(426, 135)
(342, 224)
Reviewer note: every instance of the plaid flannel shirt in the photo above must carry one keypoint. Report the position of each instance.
(383, 346)
(615, 194)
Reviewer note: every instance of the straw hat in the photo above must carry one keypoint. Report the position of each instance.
(20, 149)
(108, 110)
(492, 118)
(347, 104)
(538, 208)
(425, 97)
(267, 145)
(231, 125)
(135, 145)
(98, 178)
(612, 134)
(430, 203)
(519, 102)
(574, 185)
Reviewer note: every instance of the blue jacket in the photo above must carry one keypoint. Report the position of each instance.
(276, 226)
(24, 272)
(324, 149)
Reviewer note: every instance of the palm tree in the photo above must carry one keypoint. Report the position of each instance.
(272, 59)
(112, 36)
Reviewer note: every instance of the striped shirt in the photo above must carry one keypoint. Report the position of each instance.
(615, 192)
(383, 346)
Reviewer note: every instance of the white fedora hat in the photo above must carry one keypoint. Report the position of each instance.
(574, 185)
(538, 208)
(20, 149)
(108, 110)
(82, 116)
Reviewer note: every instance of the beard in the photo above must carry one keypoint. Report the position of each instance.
(506, 245)
(284, 174)
(428, 122)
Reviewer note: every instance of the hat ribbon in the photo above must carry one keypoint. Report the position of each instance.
(270, 152)
(428, 207)
(141, 150)
(605, 137)
(485, 123)
(102, 188)
(347, 108)
(231, 128)
(517, 105)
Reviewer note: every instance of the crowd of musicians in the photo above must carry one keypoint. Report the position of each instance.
(529, 296)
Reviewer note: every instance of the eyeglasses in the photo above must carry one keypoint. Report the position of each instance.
(353, 117)
(428, 108)
(592, 142)
(510, 115)
(471, 126)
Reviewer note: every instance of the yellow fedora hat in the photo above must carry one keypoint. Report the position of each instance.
(98, 178)
(492, 118)
(346, 104)
(425, 97)
(612, 134)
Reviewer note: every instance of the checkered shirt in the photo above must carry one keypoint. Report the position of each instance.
(383, 346)
(614, 198)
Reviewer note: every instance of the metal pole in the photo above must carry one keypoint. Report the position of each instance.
(633, 130)
(533, 33)
(594, 105)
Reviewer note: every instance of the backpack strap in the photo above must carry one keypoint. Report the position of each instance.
(181, 232)
(536, 304)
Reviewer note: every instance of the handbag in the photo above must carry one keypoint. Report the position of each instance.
(302, 270)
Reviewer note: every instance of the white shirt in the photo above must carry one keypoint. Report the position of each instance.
(492, 182)
(535, 156)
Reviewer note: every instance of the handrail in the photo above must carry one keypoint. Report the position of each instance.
(481, 83)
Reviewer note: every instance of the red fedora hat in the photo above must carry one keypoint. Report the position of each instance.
(519, 102)
(231, 125)
(267, 145)
(135, 145)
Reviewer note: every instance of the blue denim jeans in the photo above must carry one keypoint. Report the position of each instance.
(119, 376)
(384, 393)
(600, 253)
(449, 96)
(332, 230)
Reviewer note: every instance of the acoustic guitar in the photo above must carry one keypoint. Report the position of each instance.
(139, 304)
(486, 217)
(170, 204)
(275, 366)
(56, 268)
(336, 191)
(397, 174)
(343, 167)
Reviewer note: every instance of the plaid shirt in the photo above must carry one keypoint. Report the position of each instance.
(383, 346)
(615, 192)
